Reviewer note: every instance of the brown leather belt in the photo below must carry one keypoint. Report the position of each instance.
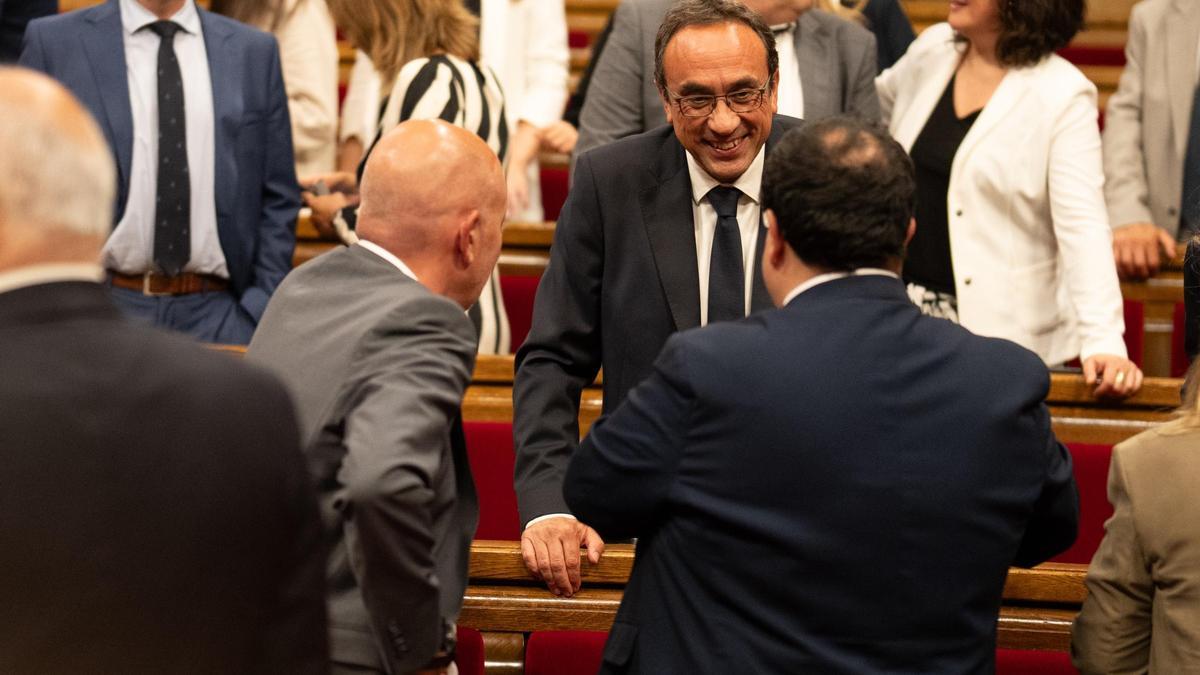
(153, 283)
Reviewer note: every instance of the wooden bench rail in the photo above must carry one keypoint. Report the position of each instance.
(1040, 603)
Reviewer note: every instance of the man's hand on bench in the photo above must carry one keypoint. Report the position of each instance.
(551, 549)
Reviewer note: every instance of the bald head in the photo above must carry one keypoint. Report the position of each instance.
(56, 171)
(434, 195)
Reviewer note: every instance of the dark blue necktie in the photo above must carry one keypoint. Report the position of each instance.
(172, 205)
(1190, 208)
(726, 275)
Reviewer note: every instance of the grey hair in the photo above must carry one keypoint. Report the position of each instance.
(51, 176)
(706, 13)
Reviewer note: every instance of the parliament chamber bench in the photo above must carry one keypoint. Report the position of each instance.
(514, 613)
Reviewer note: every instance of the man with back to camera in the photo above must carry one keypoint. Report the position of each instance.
(375, 344)
(195, 113)
(156, 514)
(660, 232)
(793, 477)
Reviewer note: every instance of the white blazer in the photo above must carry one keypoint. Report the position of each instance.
(1029, 235)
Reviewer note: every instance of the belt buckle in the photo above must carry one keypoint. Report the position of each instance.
(146, 286)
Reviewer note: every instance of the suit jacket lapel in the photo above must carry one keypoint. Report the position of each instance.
(667, 215)
(817, 67)
(225, 70)
(996, 110)
(1183, 23)
(105, 48)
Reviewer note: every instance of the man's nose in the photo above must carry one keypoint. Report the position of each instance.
(723, 120)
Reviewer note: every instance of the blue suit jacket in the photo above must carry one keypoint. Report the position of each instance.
(255, 179)
(838, 486)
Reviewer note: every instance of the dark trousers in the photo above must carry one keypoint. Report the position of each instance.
(213, 316)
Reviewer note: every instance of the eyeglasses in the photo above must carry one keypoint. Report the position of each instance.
(703, 105)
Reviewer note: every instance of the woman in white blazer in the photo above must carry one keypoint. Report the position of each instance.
(1004, 136)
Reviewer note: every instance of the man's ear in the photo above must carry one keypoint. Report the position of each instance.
(773, 92)
(666, 102)
(467, 239)
(912, 229)
(775, 249)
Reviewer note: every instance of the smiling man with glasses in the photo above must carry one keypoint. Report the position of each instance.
(661, 232)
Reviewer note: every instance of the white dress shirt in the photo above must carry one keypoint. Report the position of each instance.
(791, 94)
(388, 256)
(130, 248)
(822, 278)
(704, 216)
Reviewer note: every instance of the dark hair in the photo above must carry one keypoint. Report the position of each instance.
(1032, 29)
(706, 13)
(843, 192)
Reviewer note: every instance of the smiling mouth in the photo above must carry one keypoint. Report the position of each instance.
(726, 147)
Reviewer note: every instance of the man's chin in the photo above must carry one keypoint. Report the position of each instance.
(726, 170)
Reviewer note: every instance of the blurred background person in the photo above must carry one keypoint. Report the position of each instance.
(1012, 235)
(309, 56)
(525, 43)
(426, 53)
(1142, 612)
(1152, 139)
(156, 515)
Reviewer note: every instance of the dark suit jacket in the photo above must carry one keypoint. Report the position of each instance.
(378, 365)
(839, 486)
(622, 277)
(14, 16)
(156, 516)
(254, 176)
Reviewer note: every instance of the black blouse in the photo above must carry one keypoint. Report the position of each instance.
(928, 262)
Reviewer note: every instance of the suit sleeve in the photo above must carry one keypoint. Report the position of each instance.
(893, 31)
(1125, 188)
(613, 108)
(860, 63)
(1191, 300)
(561, 355)
(1076, 191)
(620, 478)
(280, 197)
(409, 387)
(1054, 523)
(296, 639)
(1112, 632)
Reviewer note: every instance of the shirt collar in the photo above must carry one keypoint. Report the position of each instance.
(750, 182)
(781, 29)
(134, 17)
(388, 256)
(822, 278)
(35, 275)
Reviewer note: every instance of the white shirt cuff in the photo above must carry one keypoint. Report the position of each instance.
(548, 516)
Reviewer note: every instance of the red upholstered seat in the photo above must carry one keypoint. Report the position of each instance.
(469, 655)
(564, 652)
(490, 450)
(519, 291)
(1094, 56)
(1179, 357)
(554, 190)
(1091, 475)
(1135, 330)
(1031, 662)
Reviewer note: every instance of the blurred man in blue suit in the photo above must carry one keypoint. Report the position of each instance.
(193, 107)
(795, 478)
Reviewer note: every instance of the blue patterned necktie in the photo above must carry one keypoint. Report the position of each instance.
(172, 205)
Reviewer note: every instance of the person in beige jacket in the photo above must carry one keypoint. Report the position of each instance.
(1142, 613)
(1146, 129)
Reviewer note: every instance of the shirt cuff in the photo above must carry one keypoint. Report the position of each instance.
(548, 516)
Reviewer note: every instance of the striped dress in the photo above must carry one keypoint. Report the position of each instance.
(467, 95)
